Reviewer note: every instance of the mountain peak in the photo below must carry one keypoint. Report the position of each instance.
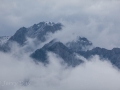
(49, 23)
(80, 44)
(58, 48)
(36, 31)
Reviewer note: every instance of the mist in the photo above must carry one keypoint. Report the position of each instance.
(20, 72)
(98, 21)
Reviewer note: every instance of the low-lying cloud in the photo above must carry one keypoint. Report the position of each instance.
(22, 73)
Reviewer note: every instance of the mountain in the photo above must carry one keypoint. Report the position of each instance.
(112, 55)
(36, 31)
(67, 52)
(80, 44)
(59, 49)
(3, 43)
(3, 40)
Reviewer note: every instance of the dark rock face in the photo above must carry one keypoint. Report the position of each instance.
(3, 41)
(19, 36)
(81, 44)
(58, 48)
(36, 31)
(112, 55)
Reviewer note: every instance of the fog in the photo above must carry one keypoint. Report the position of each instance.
(19, 72)
(96, 20)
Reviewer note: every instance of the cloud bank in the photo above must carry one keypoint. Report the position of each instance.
(20, 72)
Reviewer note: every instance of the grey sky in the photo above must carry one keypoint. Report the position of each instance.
(97, 20)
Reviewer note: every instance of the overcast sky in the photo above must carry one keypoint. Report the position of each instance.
(97, 20)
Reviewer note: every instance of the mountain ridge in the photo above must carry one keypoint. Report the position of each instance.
(58, 48)
(36, 31)
(66, 51)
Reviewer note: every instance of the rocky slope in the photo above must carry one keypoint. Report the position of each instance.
(80, 44)
(59, 49)
(67, 52)
(3, 40)
(36, 31)
(112, 55)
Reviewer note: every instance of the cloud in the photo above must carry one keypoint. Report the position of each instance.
(96, 20)
(19, 71)
(105, 36)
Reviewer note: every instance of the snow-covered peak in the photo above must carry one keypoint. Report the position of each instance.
(46, 23)
(49, 23)
(36, 31)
